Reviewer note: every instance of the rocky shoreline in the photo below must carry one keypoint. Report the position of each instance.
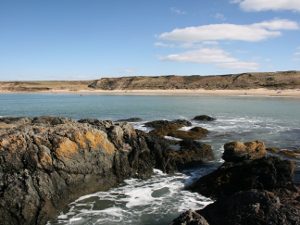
(249, 188)
(47, 162)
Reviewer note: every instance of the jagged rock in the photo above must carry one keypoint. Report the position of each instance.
(191, 154)
(47, 162)
(238, 151)
(264, 174)
(253, 207)
(190, 217)
(204, 118)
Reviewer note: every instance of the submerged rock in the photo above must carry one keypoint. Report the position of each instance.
(204, 118)
(132, 119)
(171, 128)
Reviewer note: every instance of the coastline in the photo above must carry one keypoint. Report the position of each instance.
(261, 92)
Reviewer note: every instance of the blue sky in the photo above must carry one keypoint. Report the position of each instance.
(89, 39)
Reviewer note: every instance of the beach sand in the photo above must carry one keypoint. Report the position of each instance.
(176, 92)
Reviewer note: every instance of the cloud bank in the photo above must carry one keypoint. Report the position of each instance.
(264, 5)
(225, 31)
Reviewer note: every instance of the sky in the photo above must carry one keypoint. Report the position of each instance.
(90, 39)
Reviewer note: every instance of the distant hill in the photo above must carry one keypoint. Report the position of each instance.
(269, 80)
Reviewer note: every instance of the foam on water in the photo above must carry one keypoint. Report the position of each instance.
(153, 201)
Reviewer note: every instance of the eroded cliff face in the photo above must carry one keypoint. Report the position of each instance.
(277, 80)
(47, 162)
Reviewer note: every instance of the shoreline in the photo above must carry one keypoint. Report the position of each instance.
(294, 93)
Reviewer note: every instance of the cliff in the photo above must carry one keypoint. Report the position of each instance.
(270, 80)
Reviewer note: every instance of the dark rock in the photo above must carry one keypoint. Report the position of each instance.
(238, 151)
(132, 119)
(191, 154)
(171, 128)
(190, 217)
(175, 124)
(195, 133)
(204, 118)
(272, 174)
(253, 207)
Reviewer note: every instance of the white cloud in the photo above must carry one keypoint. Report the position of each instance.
(264, 5)
(215, 56)
(225, 31)
(177, 11)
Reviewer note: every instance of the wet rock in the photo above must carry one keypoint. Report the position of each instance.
(253, 207)
(238, 151)
(195, 133)
(165, 123)
(132, 119)
(191, 154)
(190, 217)
(171, 128)
(272, 174)
(204, 118)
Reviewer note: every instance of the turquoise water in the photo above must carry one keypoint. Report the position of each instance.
(276, 121)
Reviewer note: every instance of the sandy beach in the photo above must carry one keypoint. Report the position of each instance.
(295, 93)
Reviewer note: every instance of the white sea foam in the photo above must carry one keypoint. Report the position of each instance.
(160, 195)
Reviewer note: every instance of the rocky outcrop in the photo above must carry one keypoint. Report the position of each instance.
(46, 162)
(164, 128)
(272, 174)
(204, 118)
(238, 151)
(253, 207)
(249, 188)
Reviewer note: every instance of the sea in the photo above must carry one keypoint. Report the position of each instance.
(158, 200)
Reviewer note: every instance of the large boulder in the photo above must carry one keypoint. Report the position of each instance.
(272, 174)
(190, 154)
(238, 151)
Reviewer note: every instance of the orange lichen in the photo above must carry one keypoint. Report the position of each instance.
(99, 140)
(45, 159)
(67, 148)
(80, 139)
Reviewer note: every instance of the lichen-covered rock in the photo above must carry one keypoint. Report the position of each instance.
(238, 151)
(46, 162)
